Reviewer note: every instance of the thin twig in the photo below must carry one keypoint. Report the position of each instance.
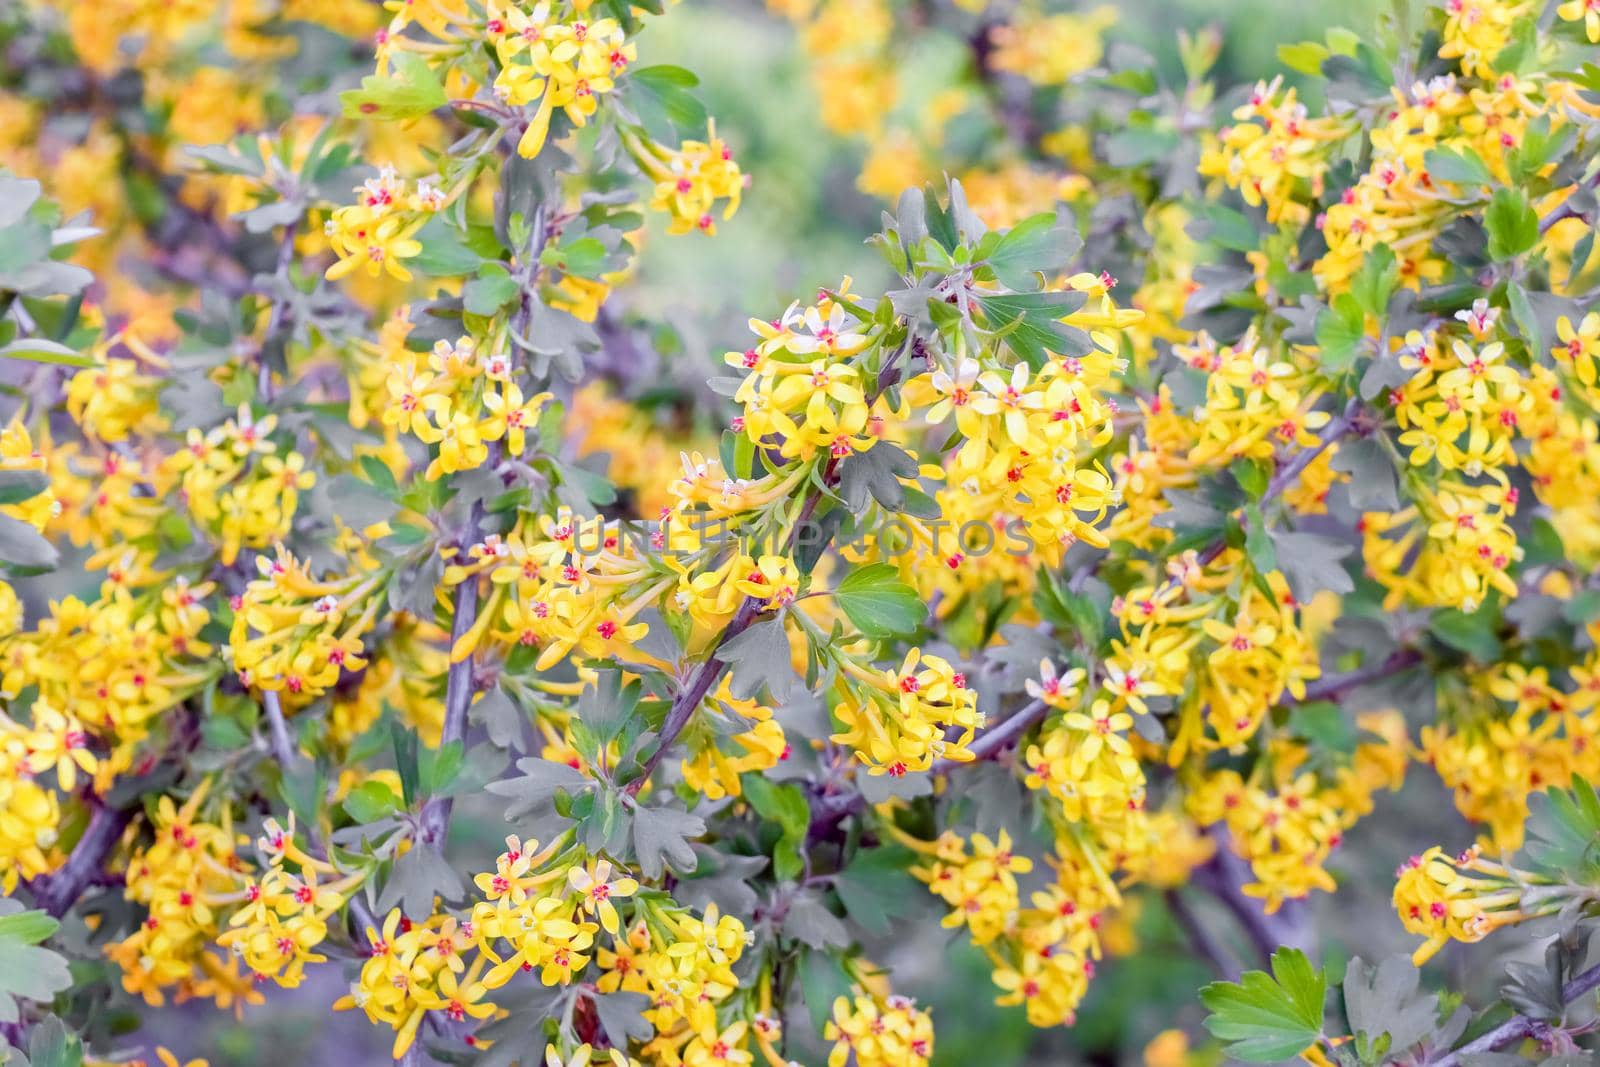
(1204, 942)
(58, 891)
(279, 320)
(994, 740)
(459, 685)
(1335, 686)
(1224, 877)
(283, 749)
(710, 670)
(1565, 210)
(1519, 1027)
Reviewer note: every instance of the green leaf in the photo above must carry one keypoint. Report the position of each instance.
(38, 350)
(416, 878)
(1258, 542)
(1524, 46)
(1323, 724)
(1305, 57)
(542, 781)
(412, 90)
(1312, 563)
(379, 474)
(784, 804)
(27, 971)
(822, 981)
(1525, 316)
(51, 1044)
(875, 888)
(1472, 633)
(1340, 331)
(1030, 325)
(1225, 227)
(1376, 281)
(1034, 248)
(583, 256)
(875, 473)
(661, 840)
(621, 1015)
(1139, 145)
(1387, 1012)
(1252, 476)
(1564, 833)
(406, 760)
(445, 253)
(879, 603)
(23, 546)
(1372, 478)
(759, 659)
(491, 290)
(17, 486)
(1463, 166)
(406, 534)
(1511, 223)
(661, 96)
(1582, 608)
(1268, 1018)
(371, 801)
(27, 927)
(437, 767)
(809, 921)
(1538, 147)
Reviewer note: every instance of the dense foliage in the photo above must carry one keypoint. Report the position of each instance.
(1199, 464)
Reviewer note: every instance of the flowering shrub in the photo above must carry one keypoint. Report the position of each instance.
(1201, 461)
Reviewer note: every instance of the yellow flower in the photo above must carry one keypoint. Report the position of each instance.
(597, 889)
(1586, 11)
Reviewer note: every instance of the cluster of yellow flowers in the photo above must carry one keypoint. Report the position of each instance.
(403, 674)
(846, 41)
(1169, 720)
(30, 815)
(120, 662)
(558, 64)
(900, 721)
(1514, 732)
(690, 179)
(1287, 828)
(557, 585)
(879, 1032)
(1254, 403)
(1276, 154)
(185, 877)
(1043, 956)
(377, 233)
(1461, 899)
(285, 916)
(294, 634)
(238, 484)
(1397, 202)
(1027, 437)
(856, 55)
(461, 400)
(540, 911)
(800, 386)
(1049, 49)
(1562, 454)
(730, 737)
(1255, 646)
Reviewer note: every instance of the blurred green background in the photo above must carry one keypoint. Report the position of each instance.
(803, 220)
